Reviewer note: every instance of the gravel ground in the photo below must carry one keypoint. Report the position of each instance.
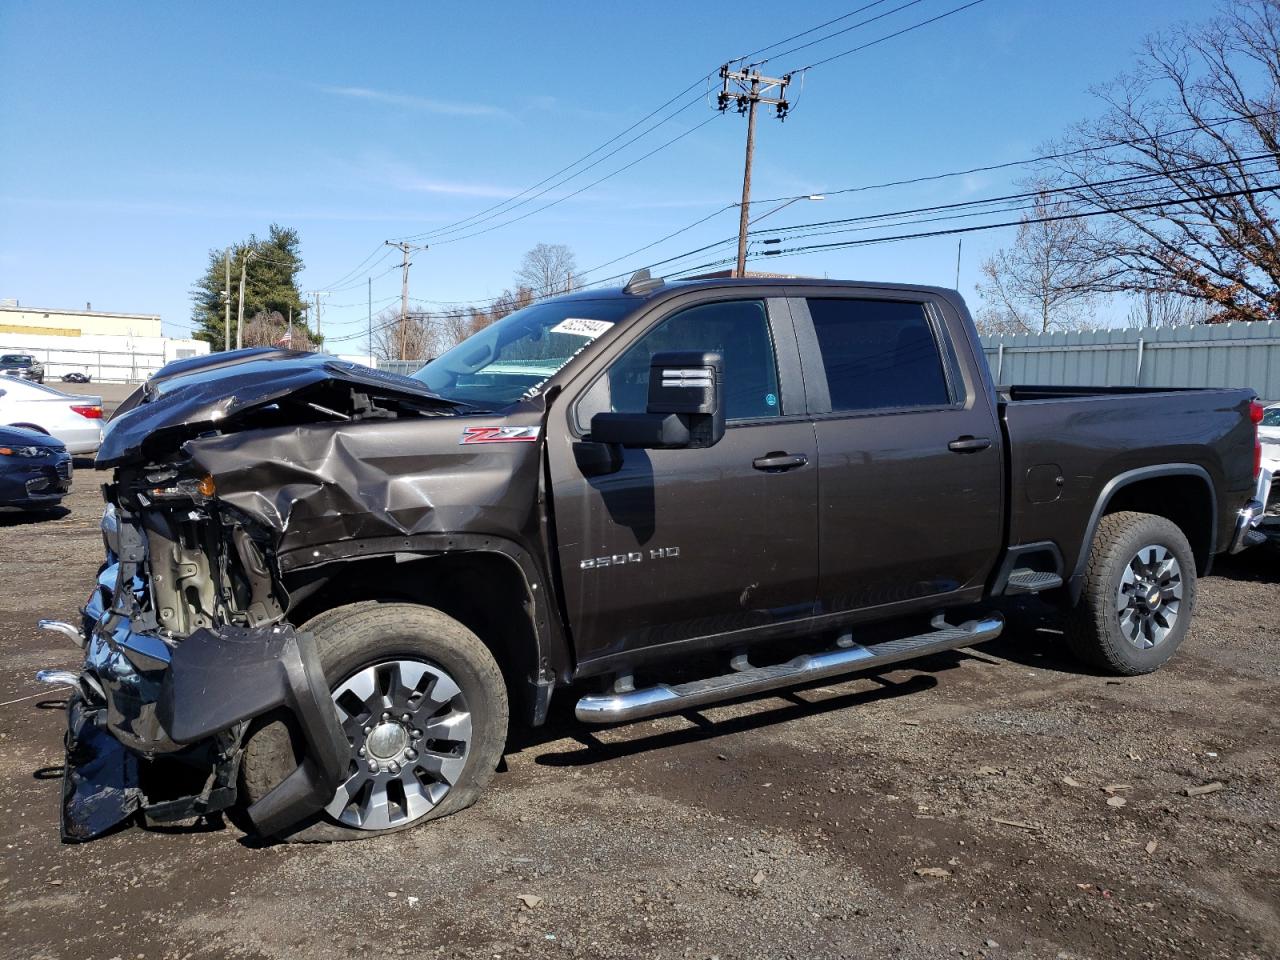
(968, 805)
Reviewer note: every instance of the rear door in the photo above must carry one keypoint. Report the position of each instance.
(677, 546)
(909, 454)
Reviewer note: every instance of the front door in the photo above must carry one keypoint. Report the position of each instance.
(680, 546)
(909, 455)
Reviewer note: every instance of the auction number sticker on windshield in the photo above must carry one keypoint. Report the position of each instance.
(581, 327)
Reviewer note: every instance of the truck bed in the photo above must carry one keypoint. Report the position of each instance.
(1068, 446)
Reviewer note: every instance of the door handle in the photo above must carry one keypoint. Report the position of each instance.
(969, 444)
(780, 461)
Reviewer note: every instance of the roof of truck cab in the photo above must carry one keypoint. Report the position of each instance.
(671, 287)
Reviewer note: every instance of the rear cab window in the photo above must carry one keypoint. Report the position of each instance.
(878, 354)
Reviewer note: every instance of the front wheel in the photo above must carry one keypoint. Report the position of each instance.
(424, 707)
(1139, 591)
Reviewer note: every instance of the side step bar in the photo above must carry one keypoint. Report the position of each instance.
(1029, 581)
(845, 657)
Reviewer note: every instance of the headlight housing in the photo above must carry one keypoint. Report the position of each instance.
(25, 452)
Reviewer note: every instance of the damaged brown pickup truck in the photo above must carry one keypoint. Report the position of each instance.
(327, 590)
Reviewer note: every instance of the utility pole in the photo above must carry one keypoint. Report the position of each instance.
(240, 310)
(404, 249)
(318, 294)
(744, 89)
(226, 304)
(370, 320)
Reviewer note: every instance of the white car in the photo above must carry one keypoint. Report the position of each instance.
(1269, 428)
(76, 421)
(1269, 435)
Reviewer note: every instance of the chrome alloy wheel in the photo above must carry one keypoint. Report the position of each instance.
(409, 730)
(1149, 596)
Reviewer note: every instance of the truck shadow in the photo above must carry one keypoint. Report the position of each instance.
(1255, 565)
(561, 723)
(1033, 637)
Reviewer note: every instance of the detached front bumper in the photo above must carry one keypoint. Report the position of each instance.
(1251, 515)
(156, 725)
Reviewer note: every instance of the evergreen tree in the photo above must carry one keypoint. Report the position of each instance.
(270, 286)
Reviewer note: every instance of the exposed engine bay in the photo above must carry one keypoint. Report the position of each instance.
(221, 467)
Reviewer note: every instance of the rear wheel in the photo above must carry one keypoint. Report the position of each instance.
(1139, 591)
(424, 708)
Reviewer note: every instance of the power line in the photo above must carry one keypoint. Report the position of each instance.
(1031, 160)
(359, 282)
(837, 245)
(861, 23)
(1080, 215)
(597, 182)
(1134, 179)
(356, 269)
(496, 209)
(803, 33)
(533, 192)
(888, 36)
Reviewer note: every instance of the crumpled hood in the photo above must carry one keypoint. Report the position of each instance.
(317, 485)
(202, 394)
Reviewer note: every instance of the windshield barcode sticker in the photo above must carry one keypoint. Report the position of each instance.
(581, 327)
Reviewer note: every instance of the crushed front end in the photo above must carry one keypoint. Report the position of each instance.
(223, 469)
(185, 643)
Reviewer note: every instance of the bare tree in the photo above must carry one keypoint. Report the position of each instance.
(1045, 280)
(548, 269)
(1191, 134)
(1164, 308)
(420, 337)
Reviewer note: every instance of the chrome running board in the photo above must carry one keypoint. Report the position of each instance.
(745, 680)
(72, 633)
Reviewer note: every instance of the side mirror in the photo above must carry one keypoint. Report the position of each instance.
(683, 410)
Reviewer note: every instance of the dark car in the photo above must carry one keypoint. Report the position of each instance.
(35, 469)
(22, 365)
(329, 589)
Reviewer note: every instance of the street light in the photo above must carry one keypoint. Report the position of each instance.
(740, 270)
(812, 196)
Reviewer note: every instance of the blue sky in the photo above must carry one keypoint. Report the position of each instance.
(138, 136)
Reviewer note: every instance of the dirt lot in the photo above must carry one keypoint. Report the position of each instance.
(793, 826)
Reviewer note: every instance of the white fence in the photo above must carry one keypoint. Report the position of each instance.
(1204, 355)
(103, 366)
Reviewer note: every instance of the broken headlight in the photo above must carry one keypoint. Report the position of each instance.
(192, 488)
(25, 452)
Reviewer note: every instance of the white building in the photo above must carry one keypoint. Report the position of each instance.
(107, 346)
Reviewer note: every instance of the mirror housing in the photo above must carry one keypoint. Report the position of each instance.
(684, 408)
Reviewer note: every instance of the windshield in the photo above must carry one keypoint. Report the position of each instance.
(1271, 417)
(516, 355)
(16, 358)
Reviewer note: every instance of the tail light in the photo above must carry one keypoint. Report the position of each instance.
(1255, 417)
(95, 412)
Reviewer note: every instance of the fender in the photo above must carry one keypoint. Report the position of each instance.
(1128, 478)
(552, 655)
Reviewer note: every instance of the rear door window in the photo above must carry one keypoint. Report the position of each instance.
(878, 354)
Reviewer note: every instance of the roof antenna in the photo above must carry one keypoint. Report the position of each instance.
(642, 282)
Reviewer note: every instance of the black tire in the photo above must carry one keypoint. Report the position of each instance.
(351, 638)
(1093, 627)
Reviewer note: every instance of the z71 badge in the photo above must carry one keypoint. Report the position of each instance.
(499, 435)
